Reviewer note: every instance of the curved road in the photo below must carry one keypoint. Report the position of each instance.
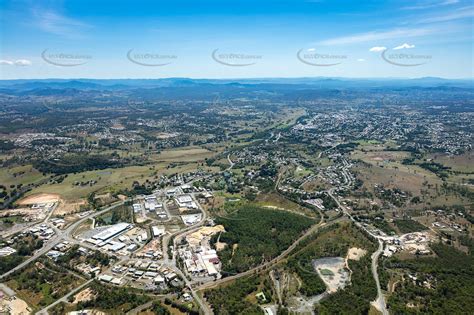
(230, 162)
(275, 260)
(379, 303)
(64, 299)
(61, 235)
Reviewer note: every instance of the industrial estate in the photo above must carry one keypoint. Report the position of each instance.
(236, 158)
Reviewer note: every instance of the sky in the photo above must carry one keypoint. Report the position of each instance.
(236, 39)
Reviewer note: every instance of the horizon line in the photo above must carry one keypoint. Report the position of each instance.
(247, 78)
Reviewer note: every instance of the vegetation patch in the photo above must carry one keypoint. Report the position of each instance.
(332, 241)
(75, 163)
(113, 300)
(118, 214)
(42, 283)
(25, 246)
(409, 226)
(261, 234)
(240, 296)
(435, 285)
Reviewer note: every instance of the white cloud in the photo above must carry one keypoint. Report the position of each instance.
(361, 60)
(377, 36)
(378, 49)
(55, 23)
(22, 62)
(404, 46)
(462, 13)
(431, 5)
(18, 62)
(312, 49)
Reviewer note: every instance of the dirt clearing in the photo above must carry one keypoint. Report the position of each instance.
(14, 306)
(356, 253)
(66, 208)
(39, 198)
(84, 296)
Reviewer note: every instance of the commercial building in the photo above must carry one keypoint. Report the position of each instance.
(137, 207)
(185, 201)
(112, 231)
(115, 246)
(158, 230)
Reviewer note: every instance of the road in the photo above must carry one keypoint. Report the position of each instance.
(275, 260)
(64, 299)
(140, 308)
(230, 162)
(171, 261)
(60, 236)
(203, 305)
(380, 301)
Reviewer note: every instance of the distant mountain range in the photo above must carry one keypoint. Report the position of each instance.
(313, 83)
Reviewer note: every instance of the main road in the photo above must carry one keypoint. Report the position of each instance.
(60, 236)
(258, 268)
(379, 303)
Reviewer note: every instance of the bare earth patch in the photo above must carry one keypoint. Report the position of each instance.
(15, 306)
(39, 198)
(84, 296)
(220, 246)
(66, 208)
(333, 272)
(356, 253)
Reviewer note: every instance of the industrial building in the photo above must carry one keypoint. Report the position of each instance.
(152, 204)
(158, 230)
(112, 231)
(185, 201)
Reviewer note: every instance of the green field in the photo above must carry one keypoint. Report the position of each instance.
(25, 174)
(179, 160)
(409, 226)
(118, 214)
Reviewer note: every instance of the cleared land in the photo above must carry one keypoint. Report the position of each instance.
(39, 198)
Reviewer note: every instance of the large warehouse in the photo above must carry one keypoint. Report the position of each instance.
(112, 231)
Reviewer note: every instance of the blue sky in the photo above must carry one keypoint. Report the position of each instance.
(236, 39)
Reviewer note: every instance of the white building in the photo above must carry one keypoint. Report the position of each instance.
(158, 230)
(112, 231)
